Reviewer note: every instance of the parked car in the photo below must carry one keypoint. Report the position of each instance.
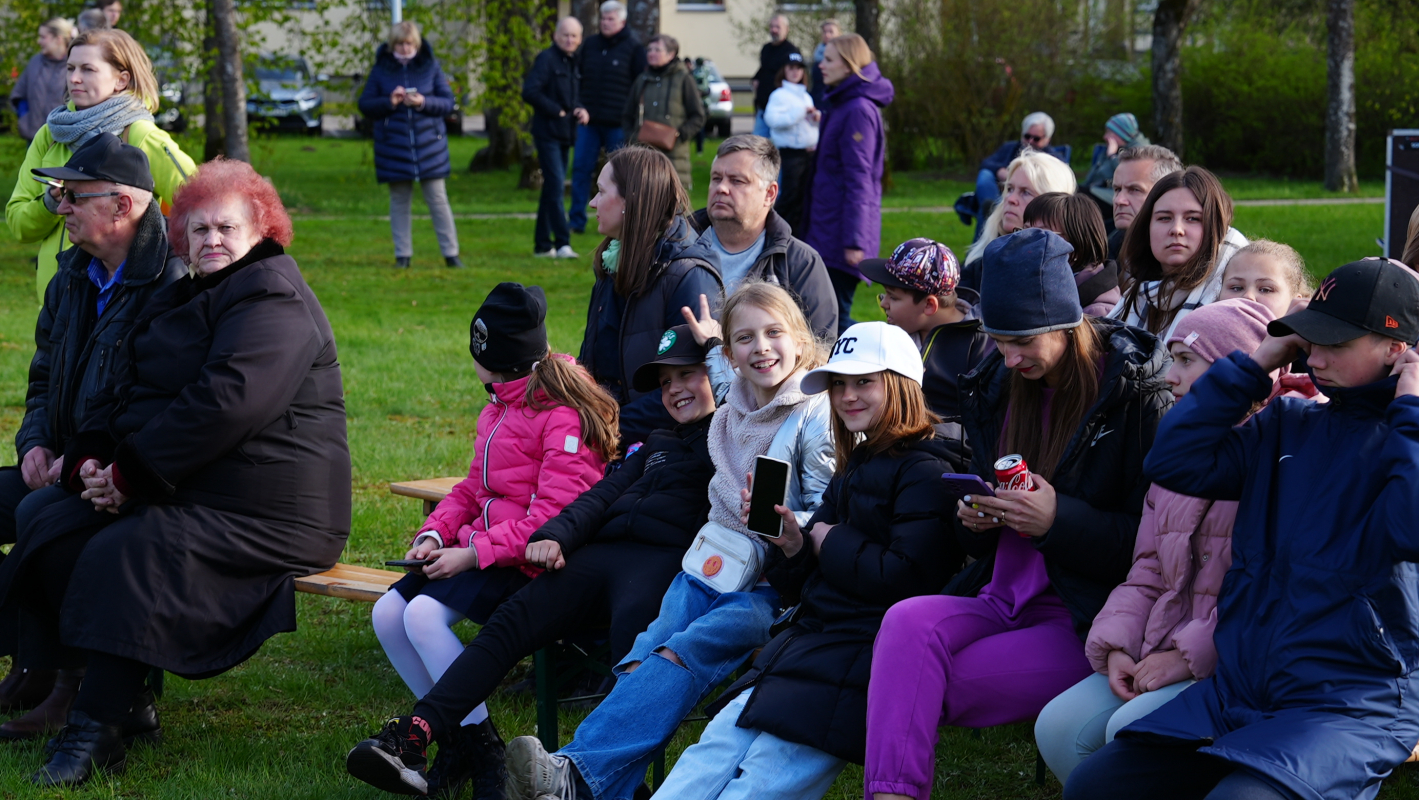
(174, 86)
(287, 96)
(719, 100)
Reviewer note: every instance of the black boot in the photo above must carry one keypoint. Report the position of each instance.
(474, 753)
(142, 723)
(83, 748)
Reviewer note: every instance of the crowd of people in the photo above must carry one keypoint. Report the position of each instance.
(1199, 584)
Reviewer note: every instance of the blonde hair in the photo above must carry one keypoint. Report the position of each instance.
(1411, 247)
(1295, 267)
(1046, 173)
(60, 27)
(124, 55)
(777, 301)
(405, 31)
(854, 52)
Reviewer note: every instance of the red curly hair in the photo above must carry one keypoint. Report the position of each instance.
(217, 180)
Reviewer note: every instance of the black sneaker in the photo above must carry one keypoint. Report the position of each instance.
(474, 754)
(453, 261)
(402, 262)
(393, 759)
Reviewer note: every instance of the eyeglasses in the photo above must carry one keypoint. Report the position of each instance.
(74, 197)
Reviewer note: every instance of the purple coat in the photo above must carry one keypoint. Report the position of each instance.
(845, 208)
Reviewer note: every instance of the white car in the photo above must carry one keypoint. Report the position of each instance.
(719, 102)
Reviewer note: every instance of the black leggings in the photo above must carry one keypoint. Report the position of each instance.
(1129, 768)
(619, 582)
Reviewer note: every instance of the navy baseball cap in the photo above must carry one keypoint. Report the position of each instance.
(1374, 295)
(677, 347)
(105, 158)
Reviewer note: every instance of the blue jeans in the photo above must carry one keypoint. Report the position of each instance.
(712, 634)
(733, 763)
(1085, 718)
(987, 192)
(551, 231)
(761, 128)
(590, 141)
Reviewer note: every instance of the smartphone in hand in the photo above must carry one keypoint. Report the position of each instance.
(770, 489)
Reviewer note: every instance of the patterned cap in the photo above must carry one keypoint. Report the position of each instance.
(921, 265)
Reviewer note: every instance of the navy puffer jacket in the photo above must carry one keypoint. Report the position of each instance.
(409, 144)
(1318, 619)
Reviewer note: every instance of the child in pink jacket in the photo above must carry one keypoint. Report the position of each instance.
(544, 438)
(1153, 637)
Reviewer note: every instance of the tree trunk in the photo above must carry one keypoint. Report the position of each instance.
(1169, 22)
(211, 96)
(866, 13)
(229, 67)
(1340, 97)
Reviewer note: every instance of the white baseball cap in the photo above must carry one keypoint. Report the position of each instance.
(865, 348)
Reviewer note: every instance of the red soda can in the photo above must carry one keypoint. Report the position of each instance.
(1011, 472)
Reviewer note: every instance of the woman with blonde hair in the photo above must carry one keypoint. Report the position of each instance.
(111, 89)
(1030, 175)
(40, 87)
(844, 210)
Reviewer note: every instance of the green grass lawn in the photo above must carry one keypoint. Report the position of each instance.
(278, 726)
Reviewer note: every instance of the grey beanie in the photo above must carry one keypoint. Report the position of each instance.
(1028, 287)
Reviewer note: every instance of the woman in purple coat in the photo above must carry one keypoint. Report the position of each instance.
(845, 209)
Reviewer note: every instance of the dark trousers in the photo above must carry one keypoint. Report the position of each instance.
(590, 141)
(18, 633)
(844, 286)
(617, 582)
(794, 180)
(1129, 768)
(552, 232)
(19, 503)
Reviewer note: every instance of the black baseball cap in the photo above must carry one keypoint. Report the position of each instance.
(1370, 296)
(105, 158)
(677, 347)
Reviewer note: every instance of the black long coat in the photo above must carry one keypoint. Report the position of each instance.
(226, 427)
(891, 540)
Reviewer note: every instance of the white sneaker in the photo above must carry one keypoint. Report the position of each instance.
(535, 774)
(548, 253)
(566, 251)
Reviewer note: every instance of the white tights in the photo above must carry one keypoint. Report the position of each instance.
(418, 637)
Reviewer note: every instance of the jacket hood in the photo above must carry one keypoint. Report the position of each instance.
(384, 56)
(683, 241)
(669, 69)
(875, 88)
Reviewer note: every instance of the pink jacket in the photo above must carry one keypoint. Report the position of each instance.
(1169, 601)
(527, 465)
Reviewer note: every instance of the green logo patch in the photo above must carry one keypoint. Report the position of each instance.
(667, 341)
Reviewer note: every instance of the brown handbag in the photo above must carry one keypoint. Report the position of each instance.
(655, 134)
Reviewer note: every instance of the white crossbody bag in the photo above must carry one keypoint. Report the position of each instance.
(723, 559)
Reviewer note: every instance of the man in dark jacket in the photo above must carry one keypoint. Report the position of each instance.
(1035, 133)
(1318, 622)
(608, 64)
(752, 240)
(103, 282)
(551, 89)
(772, 57)
(610, 555)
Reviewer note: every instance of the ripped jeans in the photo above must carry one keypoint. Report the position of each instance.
(712, 634)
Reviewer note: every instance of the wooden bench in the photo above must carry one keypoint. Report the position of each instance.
(431, 491)
(349, 582)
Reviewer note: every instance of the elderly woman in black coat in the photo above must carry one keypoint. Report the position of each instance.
(211, 475)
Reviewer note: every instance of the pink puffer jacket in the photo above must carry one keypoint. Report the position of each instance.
(527, 465)
(1169, 601)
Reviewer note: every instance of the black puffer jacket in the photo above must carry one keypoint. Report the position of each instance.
(1099, 481)
(608, 65)
(74, 352)
(551, 88)
(659, 497)
(891, 540)
(623, 333)
(792, 264)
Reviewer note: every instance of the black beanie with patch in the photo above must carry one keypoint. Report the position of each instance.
(509, 331)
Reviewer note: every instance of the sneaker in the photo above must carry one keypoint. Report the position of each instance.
(402, 262)
(453, 261)
(474, 754)
(550, 252)
(566, 251)
(393, 760)
(535, 774)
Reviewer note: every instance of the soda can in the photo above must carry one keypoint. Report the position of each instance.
(1011, 472)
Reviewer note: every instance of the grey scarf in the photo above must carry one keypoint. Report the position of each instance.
(113, 115)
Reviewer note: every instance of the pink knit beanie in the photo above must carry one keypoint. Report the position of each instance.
(1215, 330)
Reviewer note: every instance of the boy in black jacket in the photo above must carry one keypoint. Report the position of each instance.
(610, 556)
(920, 296)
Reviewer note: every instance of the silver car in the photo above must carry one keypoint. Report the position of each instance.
(719, 100)
(287, 96)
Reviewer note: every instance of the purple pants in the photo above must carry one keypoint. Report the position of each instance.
(965, 657)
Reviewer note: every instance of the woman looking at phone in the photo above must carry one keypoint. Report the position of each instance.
(790, 724)
(1080, 400)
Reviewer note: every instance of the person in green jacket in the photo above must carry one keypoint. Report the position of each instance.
(111, 89)
(666, 93)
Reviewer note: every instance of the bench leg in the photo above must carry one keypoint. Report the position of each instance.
(1039, 768)
(544, 666)
(657, 770)
(429, 506)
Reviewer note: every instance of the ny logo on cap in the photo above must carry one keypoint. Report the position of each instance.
(843, 346)
(1323, 293)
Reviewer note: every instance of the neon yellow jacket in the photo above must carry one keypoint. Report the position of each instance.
(30, 221)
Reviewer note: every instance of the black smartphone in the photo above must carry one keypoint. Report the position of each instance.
(409, 563)
(770, 489)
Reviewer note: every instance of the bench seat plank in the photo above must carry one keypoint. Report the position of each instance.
(350, 582)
